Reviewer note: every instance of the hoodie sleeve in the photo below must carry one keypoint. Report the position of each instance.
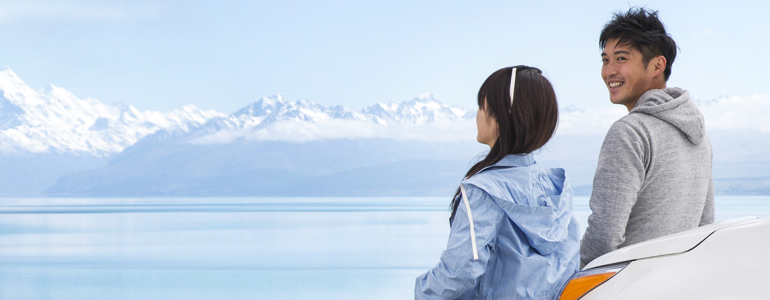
(618, 179)
(458, 271)
(708, 210)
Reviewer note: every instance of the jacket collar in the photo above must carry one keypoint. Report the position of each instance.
(514, 160)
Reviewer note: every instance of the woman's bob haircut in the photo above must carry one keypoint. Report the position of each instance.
(525, 123)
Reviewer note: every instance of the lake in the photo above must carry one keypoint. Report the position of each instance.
(234, 248)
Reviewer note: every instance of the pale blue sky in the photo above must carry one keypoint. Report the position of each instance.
(222, 55)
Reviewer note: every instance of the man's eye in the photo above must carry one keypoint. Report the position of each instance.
(621, 58)
(604, 60)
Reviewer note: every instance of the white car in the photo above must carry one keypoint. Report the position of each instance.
(726, 260)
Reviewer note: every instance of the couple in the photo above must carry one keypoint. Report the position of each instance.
(513, 234)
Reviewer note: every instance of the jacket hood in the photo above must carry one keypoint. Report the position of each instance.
(542, 210)
(674, 106)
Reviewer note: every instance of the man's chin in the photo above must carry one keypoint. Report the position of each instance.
(617, 100)
(628, 103)
(618, 97)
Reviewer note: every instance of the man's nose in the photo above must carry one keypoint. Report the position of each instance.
(608, 70)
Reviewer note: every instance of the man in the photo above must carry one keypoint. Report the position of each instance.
(654, 171)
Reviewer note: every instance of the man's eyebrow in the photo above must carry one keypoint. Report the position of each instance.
(617, 52)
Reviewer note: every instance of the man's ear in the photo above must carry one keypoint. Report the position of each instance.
(658, 65)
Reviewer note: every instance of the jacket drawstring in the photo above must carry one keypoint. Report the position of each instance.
(470, 220)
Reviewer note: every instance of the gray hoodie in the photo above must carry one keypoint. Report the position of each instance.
(653, 176)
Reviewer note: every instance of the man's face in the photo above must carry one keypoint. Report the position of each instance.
(625, 74)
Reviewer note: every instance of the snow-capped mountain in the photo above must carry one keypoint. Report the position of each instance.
(278, 108)
(273, 145)
(423, 109)
(53, 120)
(51, 140)
(276, 118)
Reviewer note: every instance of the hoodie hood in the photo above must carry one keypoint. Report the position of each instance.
(674, 106)
(542, 210)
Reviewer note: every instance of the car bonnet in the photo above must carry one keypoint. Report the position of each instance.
(666, 245)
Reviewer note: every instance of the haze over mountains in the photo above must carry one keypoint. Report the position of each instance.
(274, 147)
(52, 143)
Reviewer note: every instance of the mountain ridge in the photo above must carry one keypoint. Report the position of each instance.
(53, 119)
(52, 140)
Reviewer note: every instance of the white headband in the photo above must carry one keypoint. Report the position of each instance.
(513, 83)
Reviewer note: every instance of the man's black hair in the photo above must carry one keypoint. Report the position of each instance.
(641, 29)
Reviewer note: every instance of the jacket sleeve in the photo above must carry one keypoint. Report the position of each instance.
(458, 271)
(619, 177)
(708, 210)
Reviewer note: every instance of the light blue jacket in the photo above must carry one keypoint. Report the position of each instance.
(526, 237)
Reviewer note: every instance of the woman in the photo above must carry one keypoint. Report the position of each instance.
(513, 235)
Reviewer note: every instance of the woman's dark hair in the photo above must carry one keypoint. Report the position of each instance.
(524, 124)
(641, 29)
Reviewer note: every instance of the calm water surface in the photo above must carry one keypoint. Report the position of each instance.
(233, 248)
